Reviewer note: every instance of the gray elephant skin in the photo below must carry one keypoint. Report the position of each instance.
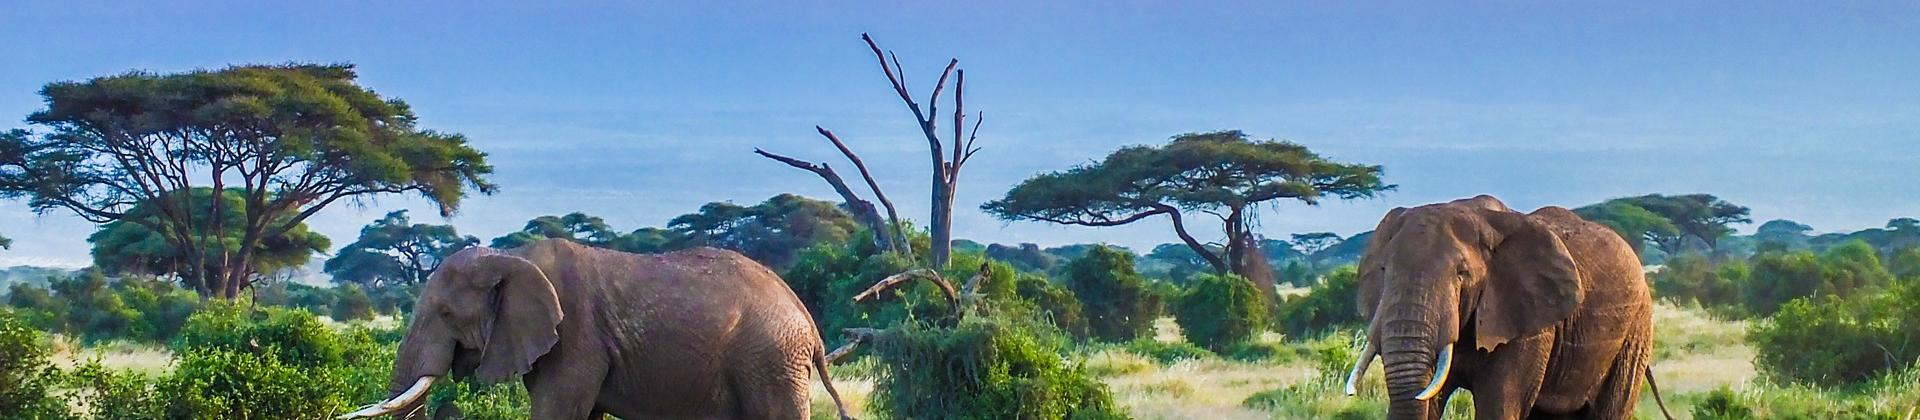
(701, 333)
(1540, 315)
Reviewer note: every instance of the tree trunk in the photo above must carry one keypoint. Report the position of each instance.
(942, 228)
(1249, 261)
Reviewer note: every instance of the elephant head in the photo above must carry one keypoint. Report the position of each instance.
(1470, 269)
(483, 313)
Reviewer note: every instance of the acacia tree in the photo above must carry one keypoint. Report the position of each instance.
(1633, 223)
(578, 227)
(1668, 221)
(1224, 174)
(946, 163)
(394, 250)
(129, 247)
(292, 139)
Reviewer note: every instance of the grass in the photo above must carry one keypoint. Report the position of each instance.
(150, 359)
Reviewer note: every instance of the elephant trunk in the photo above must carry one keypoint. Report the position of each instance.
(1409, 366)
(1415, 346)
(423, 358)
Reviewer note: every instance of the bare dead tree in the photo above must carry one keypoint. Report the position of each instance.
(946, 168)
(946, 163)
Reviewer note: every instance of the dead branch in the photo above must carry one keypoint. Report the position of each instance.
(893, 216)
(862, 209)
(894, 281)
(855, 336)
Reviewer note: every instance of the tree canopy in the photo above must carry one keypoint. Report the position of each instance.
(1222, 173)
(394, 250)
(292, 139)
(1669, 221)
(130, 247)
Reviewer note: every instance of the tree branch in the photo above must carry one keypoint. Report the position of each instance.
(893, 216)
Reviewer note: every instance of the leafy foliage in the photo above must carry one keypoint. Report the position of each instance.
(1118, 305)
(131, 245)
(295, 138)
(1327, 306)
(26, 377)
(772, 232)
(983, 368)
(1223, 172)
(394, 250)
(1833, 341)
(769, 232)
(1219, 311)
(91, 307)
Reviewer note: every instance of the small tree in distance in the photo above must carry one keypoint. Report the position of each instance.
(394, 250)
(1225, 174)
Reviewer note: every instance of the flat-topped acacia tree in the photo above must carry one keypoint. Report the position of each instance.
(1224, 174)
(292, 139)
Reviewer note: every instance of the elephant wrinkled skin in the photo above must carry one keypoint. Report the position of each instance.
(1538, 315)
(701, 333)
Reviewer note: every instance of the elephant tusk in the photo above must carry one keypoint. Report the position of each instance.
(1442, 365)
(419, 389)
(1360, 368)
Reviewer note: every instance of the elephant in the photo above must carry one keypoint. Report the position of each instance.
(1539, 315)
(699, 333)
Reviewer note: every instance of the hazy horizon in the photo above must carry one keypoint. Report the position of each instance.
(638, 113)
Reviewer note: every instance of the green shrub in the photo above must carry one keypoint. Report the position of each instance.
(115, 395)
(27, 379)
(294, 338)
(1219, 311)
(1831, 341)
(352, 303)
(1694, 279)
(220, 383)
(1055, 303)
(1722, 404)
(1327, 306)
(1119, 306)
(983, 368)
(1167, 352)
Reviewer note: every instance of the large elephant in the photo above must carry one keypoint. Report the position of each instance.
(1538, 315)
(701, 333)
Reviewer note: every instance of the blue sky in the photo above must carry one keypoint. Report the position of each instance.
(637, 112)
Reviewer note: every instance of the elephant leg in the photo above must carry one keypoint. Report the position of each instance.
(1507, 385)
(1621, 389)
(772, 387)
(565, 392)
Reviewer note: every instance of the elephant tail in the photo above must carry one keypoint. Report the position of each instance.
(1655, 385)
(820, 365)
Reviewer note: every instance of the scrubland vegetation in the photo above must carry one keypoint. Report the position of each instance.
(184, 320)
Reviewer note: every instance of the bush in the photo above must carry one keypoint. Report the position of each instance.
(26, 377)
(1326, 307)
(983, 368)
(220, 383)
(1166, 352)
(1693, 279)
(1054, 303)
(1831, 341)
(1722, 404)
(1119, 307)
(294, 338)
(115, 395)
(1219, 311)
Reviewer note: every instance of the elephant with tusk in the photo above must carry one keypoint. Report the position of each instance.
(1538, 315)
(701, 333)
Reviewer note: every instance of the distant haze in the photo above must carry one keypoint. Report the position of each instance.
(638, 113)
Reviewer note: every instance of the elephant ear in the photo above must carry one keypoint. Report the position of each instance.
(1532, 281)
(1373, 263)
(525, 319)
